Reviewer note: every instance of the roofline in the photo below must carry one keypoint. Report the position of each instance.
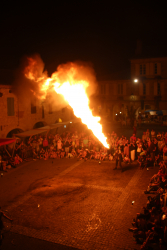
(148, 59)
(5, 86)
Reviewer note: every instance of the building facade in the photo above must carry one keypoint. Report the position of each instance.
(18, 116)
(145, 90)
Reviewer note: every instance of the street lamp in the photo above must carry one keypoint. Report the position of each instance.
(133, 88)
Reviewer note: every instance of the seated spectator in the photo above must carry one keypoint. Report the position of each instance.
(149, 162)
(41, 153)
(12, 162)
(154, 186)
(17, 160)
(103, 154)
(62, 153)
(126, 159)
(73, 152)
(35, 155)
(144, 150)
(46, 155)
(97, 155)
(141, 161)
(83, 155)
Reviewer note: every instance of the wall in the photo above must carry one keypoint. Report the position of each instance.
(23, 118)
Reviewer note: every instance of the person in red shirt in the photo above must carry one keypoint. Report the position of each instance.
(133, 137)
(45, 143)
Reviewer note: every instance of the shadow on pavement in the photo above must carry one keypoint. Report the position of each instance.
(14, 241)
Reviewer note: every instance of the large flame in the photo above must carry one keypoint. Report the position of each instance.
(73, 89)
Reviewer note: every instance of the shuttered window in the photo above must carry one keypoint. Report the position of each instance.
(10, 106)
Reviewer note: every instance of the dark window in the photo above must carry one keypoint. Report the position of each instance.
(63, 110)
(144, 69)
(50, 108)
(158, 88)
(33, 108)
(120, 89)
(155, 68)
(10, 106)
(43, 111)
(147, 107)
(103, 89)
(140, 69)
(144, 88)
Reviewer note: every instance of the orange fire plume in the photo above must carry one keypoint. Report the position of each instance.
(68, 82)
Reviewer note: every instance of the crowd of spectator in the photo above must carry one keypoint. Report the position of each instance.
(150, 227)
(149, 150)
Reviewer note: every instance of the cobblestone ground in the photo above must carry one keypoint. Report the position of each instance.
(86, 206)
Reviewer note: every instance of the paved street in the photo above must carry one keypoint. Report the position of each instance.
(70, 204)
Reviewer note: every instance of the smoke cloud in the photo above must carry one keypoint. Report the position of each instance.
(31, 75)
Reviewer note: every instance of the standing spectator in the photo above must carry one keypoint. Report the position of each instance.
(118, 157)
(67, 146)
(152, 150)
(144, 137)
(40, 140)
(153, 134)
(133, 151)
(165, 153)
(126, 150)
(133, 137)
(147, 133)
(45, 143)
(37, 148)
(55, 142)
(139, 148)
(59, 144)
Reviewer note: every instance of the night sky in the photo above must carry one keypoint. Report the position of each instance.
(93, 31)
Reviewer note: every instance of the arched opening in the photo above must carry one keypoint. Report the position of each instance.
(14, 131)
(39, 125)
